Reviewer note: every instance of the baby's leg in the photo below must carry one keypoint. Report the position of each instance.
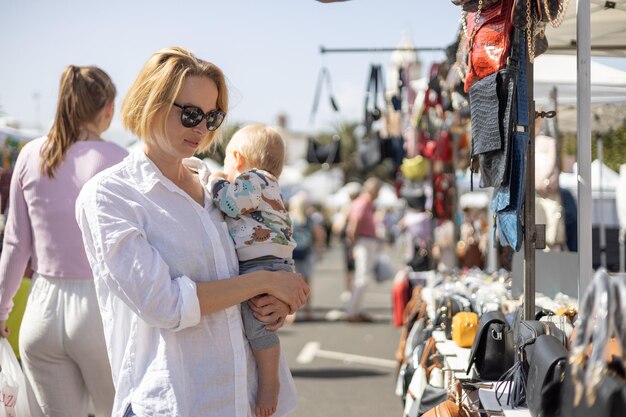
(269, 384)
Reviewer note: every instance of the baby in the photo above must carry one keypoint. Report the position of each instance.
(247, 192)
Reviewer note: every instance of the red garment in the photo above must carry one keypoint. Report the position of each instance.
(400, 297)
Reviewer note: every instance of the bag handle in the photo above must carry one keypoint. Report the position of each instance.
(374, 83)
(323, 77)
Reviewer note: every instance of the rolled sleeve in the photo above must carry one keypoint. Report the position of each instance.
(190, 308)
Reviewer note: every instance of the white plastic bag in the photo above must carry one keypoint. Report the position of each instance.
(13, 401)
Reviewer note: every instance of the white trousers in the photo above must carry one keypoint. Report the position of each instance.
(364, 252)
(63, 350)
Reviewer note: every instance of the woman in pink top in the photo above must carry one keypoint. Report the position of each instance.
(61, 339)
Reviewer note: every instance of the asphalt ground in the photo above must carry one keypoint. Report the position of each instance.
(340, 368)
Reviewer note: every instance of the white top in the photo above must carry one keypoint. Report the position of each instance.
(148, 242)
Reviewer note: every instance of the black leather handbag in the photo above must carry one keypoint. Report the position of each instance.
(545, 376)
(492, 352)
(515, 380)
(447, 307)
(318, 153)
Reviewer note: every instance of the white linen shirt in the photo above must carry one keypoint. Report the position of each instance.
(148, 243)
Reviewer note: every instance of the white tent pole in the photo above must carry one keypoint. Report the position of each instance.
(602, 227)
(583, 106)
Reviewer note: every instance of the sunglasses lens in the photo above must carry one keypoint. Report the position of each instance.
(191, 116)
(214, 119)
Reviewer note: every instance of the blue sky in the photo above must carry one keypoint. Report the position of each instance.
(269, 49)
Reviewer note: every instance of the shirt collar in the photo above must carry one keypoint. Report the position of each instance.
(147, 174)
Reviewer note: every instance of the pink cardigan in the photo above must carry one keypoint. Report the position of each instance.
(41, 225)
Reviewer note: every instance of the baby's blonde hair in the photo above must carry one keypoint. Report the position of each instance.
(261, 146)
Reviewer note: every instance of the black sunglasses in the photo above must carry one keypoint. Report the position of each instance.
(191, 116)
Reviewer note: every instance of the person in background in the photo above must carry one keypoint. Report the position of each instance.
(165, 267)
(308, 232)
(361, 232)
(417, 224)
(248, 194)
(61, 338)
(340, 227)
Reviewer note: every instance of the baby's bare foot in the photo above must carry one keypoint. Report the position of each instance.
(267, 399)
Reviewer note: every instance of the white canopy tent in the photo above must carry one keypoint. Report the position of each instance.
(593, 26)
(608, 29)
(608, 84)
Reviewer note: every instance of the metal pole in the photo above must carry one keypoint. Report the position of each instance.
(583, 107)
(324, 50)
(529, 202)
(601, 227)
(555, 127)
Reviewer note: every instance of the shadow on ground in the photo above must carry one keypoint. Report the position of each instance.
(335, 373)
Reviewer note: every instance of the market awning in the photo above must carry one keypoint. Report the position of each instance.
(608, 29)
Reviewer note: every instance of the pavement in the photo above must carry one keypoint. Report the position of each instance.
(344, 369)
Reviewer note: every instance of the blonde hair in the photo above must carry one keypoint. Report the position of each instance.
(261, 146)
(83, 93)
(156, 87)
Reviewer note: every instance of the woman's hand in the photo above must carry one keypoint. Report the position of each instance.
(4, 330)
(269, 309)
(288, 287)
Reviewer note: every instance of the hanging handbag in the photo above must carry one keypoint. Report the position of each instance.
(492, 351)
(593, 385)
(474, 5)
(369, 153)
(323, 153)
(493, 107)
(489, 35)
(318, 153)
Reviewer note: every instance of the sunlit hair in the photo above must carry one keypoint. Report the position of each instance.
(261, 146)
(83, 93)
(149, 100)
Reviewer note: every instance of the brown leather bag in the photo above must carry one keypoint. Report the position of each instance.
(452, 407)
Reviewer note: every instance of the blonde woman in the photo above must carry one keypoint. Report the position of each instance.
(61, 338)
(164, 264)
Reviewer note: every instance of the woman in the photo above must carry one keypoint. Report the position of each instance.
(61, 337)
(164, 264)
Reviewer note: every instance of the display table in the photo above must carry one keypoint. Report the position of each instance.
(489, 402)
(457, 359)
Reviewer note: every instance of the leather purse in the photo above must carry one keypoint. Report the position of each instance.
(489, 35)
(447, 307)
(545, 376)
(595, 385)
(464, 327)
(493, 349)
(526, 333)
(318, 153)
(451, 407)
